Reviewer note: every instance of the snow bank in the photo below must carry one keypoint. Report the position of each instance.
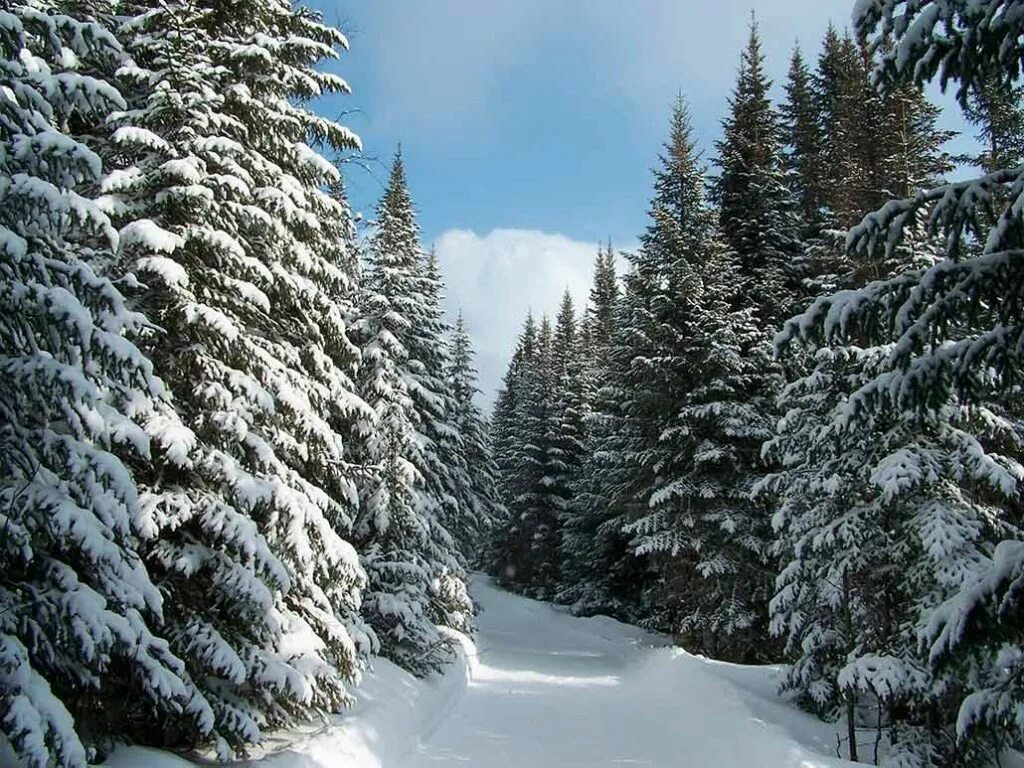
(393, 713)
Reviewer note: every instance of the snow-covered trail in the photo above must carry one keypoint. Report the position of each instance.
(547, 689)
(542, 689)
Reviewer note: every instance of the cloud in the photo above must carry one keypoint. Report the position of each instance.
(496, 278)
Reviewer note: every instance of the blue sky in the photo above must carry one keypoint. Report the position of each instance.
(529, 127)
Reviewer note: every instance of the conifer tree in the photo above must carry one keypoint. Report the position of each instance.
(526, 546)
(79, 404)
(479, 503)
(604, 294)
(705, 535)
(642, 383)
(995, 108)
(757, 212)
(919, 357)
(225, 218)
(802, 139)
(880, 520)
(579, 582)
(505, 442)
(415, 581)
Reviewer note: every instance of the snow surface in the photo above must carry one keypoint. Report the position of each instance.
(542, 688)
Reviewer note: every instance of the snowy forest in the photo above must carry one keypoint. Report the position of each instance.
(243, 454)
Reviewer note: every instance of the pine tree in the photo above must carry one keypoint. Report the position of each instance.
(415, 583)
(604, 293)
(526, 546)
(880, 520)
(569, 415)
(756, 209)
(79, 404)
(706, 537)
(504, 437)
(578, 581)
(224, 216)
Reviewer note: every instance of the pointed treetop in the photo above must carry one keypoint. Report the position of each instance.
(678, 207)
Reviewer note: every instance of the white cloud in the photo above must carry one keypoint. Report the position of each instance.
(496, 278)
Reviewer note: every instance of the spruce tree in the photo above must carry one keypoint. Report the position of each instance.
(802, 139)
(225, 218)
(938, 341)
(880, 520)
(526, 546)
(478, 489)
(578, 586)
(994, 107)
(706, 537)
(644, 375)
(414, 580)
(757, 212)
(79, 405)
(604, 293)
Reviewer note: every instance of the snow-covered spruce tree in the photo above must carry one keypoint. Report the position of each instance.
(78, 611)
(707, 537)
(579, 578)
(881, 518)
(508, 448)
(526, 546)
(756, 209)
(600, 312)
(504, 435)
(995, 108)
(872, 146)
(224, 215)
(443, 454)
(645, 375)
(840, 93)
(568, 419)
(479, 486)
(945, 332)
(414, 578)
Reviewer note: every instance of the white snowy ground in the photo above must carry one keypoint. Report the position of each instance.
(542, 689)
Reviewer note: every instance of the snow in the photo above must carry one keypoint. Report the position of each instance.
(542, 688)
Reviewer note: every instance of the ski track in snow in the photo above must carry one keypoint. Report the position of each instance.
(543, 689)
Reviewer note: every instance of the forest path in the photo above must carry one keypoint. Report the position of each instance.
(548, 689)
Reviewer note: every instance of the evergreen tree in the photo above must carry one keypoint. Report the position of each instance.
(644, 375)
(479, 484)
(578, 580)
(415, 583)
(526, 553)
(224, 216)
(756, 209)
(78, 405)
(505, 442)
(802, 139)
(938, 345)
(604, 294)
(706, 536)
(995, 108)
